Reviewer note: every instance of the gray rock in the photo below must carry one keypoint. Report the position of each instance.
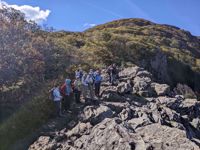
(186, 91)
(111, 94)
(196, 123)
(79, 129)
(161, 89)
(159, 137)
(95, 114)
(144, 73)
(180, 97)
(189, 107)
(124, 88)
(43, 143)
(145, 118)
(164, 100)
(117, 107)
(160, 65)
(142, 86)
(125, 114)
(139, 122)
(130, 72)
(110, 135)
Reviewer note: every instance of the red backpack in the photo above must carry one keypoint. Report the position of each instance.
(62, 89)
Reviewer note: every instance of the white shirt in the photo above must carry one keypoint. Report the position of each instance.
(57, 95)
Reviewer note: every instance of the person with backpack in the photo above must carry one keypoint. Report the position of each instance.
(57, 99)
(77, 89)
(97, 82)
(66, 91)
(78, 73)
(90, 82)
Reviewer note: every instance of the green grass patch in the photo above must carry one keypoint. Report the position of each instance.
(25, 121)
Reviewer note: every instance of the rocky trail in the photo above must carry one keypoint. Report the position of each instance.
(135, 114)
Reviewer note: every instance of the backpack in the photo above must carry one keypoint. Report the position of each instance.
(62, 89)
(90, 80)
(51, 94)
(79, 74)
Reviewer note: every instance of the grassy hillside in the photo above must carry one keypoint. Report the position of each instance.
(140, 41)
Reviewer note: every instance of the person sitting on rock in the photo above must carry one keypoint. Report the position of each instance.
(97, 82)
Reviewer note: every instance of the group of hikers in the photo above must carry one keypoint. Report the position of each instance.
(85, 84)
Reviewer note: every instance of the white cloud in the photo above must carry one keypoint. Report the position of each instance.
(89, 25)
(31, 13)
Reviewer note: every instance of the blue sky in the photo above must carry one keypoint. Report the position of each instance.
(78, 15)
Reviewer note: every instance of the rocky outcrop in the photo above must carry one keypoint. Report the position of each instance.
(160, 137)
(182, 89)
(95, 114)
(160, 65)
(136, 114)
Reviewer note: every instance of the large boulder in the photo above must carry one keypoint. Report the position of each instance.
(161, 89)
(190, 108)
(196, 123)
(79, 129)
(160, 137)
(44, 143)
(124, 88)
(95, 114)
(111, 94)
(117, 107)
(110, 135)
(159, 65)
(164, 100)
(142, 86)
(129, 72)
(139, 122)
(144, 73)
(105, 77)
(186, 91)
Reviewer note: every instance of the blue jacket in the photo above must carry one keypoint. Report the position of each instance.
(97, 78)
(68, 88)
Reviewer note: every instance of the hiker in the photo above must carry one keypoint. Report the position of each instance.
(84, 86)
(77, 89)
(57, 99)
(90, 82)
(79, 73)
(66, 90)
(91, 74)
(113, 73)
(97, 82)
